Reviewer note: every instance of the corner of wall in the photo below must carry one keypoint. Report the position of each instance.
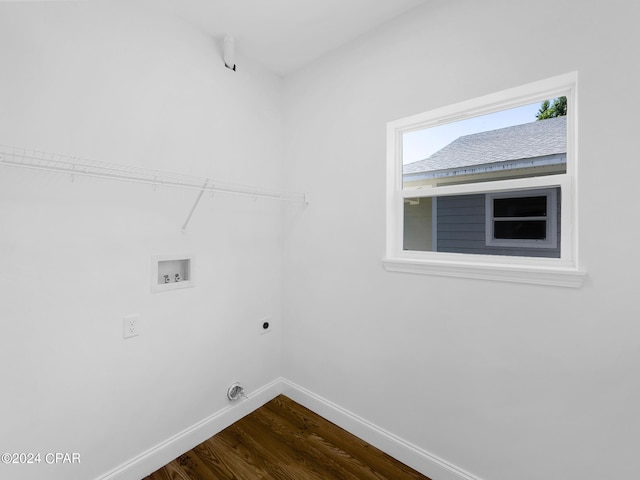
(415, 457)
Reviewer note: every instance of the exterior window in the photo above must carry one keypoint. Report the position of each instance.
(486, 187)
(523, 219)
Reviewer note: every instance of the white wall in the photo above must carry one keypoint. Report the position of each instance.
(505, 381)
(105, 81)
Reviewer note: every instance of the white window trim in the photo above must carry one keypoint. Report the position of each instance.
(551, 219)
(564, 271)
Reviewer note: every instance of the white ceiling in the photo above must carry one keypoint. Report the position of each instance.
(284, 35)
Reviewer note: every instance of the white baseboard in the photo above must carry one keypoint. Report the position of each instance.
(163, 453)
(409, 454)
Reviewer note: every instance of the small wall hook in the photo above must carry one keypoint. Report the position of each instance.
(229, 52)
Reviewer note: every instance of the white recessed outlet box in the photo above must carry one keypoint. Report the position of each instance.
(170, 272)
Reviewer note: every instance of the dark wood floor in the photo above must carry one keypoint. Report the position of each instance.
(284, 441)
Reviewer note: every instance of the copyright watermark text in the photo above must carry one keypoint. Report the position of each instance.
(51, 458)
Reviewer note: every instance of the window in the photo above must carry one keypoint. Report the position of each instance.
(523, 220)
(490, 192)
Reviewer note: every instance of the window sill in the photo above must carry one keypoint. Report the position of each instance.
(537, 275)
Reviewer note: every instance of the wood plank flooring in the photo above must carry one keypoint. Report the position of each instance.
(282, 440)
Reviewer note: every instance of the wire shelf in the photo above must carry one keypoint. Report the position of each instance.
(75, 166)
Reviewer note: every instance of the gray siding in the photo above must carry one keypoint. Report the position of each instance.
(461, 225)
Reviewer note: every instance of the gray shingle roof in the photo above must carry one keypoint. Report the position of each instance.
(529, 140)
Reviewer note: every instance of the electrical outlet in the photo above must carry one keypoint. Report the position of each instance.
(131, 326)
(266, 325)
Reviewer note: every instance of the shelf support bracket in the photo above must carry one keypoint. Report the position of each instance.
(184, 227)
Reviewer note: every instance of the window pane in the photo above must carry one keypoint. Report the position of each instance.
(520, 229)
(520, 207)
(462, 224)
(418, 225)
(507, 144)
